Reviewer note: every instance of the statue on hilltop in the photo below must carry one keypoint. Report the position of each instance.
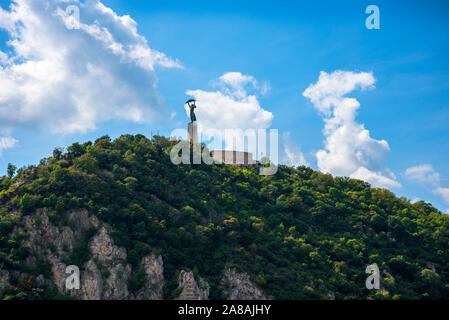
(192, 106)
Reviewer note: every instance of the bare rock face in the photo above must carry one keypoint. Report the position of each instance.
(4, 280)
(59, 275)
(111, 259)
(41, 231)
(431, 266)
(238, 286)
(82, 221)
(91, 282)
(191, 290)
(53, 242)
(104, 277)
(116, 285)
(107, 260)
(43, 234)
(154, 278)
(102, 246)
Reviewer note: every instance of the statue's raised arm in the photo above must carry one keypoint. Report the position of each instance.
(192, 106)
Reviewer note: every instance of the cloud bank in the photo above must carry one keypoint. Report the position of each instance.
(68, 80)
(349, 148)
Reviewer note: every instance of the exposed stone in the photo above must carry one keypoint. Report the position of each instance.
(83, 221)
(431, 266)
(53, 242)
(4, 280)
(116, 285)
(102, 246)
(58, 271)
(191, 290)
(154, 278)
(238, 286)
(91, 282)
(41, 231)
(113, 259)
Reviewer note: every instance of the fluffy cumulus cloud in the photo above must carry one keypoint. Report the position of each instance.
(233, 108)
(423, 173)
(70, 76)
(349, 148)
(7, 143)
(292, 154)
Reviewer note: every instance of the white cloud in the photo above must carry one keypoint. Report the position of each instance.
(292, 152)
(415, 200)
(426, 174)
(443, 192)
(7, 143)
(70, 80)
(231, 107)
(234, 83)
(349, 149)
(423, 173)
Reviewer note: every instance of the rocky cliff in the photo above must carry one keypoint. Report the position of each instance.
(106, 274)
(191, 288)
(238, 286)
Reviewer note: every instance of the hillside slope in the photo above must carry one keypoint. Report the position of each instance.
(140, 227)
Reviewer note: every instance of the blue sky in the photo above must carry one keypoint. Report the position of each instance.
(287, 45)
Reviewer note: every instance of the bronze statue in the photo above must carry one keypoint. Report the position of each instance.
(192, 106)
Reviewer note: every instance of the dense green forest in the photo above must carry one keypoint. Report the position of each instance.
(299, 234)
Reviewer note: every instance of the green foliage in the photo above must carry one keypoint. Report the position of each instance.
(42, 267)
(81, 252)
(11, 170)
(299, 234)
(28, 203)
(137, 280)
(57, 153)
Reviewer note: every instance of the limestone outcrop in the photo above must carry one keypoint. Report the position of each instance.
(238, 286)
(192, 289)
(154, 278)
(106, 274)
(4, 280)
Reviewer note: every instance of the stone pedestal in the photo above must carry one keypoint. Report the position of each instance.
(193, 132)
(238, 158)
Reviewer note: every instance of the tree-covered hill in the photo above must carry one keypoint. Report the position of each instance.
(298, 234)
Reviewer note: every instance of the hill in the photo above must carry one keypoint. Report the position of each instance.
(139, 227)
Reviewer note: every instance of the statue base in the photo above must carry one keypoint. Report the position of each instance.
(237, 158)
(193, 132)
